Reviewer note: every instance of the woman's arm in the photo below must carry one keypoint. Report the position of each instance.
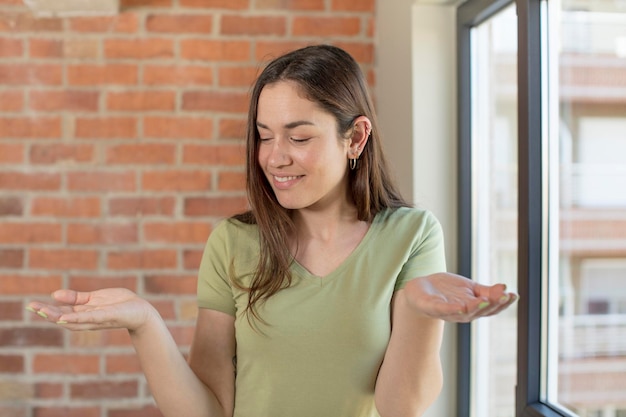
(410, 378)
(204, 386)
(179, 388)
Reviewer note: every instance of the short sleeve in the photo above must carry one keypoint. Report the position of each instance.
(214, 287)
(427, 255)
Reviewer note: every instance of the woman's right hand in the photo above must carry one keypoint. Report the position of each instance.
(111, 308)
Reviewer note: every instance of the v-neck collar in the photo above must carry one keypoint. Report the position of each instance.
(307, 276)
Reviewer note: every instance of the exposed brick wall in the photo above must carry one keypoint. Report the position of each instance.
(121, 145)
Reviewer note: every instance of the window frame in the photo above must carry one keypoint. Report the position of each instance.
(531, 208)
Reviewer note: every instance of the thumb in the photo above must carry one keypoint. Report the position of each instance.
(71, 297)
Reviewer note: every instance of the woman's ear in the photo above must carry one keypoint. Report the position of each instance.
(360, 134)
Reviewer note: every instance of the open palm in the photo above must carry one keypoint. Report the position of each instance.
(111, 308)
(455, 298)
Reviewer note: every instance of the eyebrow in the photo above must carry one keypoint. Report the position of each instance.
(291, 125)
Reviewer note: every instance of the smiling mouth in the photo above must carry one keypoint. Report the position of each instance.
(285, 179)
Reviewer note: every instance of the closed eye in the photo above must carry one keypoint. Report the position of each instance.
(300, 140)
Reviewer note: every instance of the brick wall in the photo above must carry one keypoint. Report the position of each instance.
(121, 145)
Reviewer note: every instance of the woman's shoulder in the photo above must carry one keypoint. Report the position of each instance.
(233, 230)
(405, 216)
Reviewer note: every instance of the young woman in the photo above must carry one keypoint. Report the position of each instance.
(328, 297)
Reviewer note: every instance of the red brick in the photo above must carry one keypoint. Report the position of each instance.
(166, 308)
(30, 74)
(219, 101)
(232, 128)
(134, 4)
(64, 207)
(48, 390)
(147, 259)
(122, 364)
(142, 206)
(180, 23)
(291, 4)
(141, 100)
(11, 153)
(141, 154)
(64, 100)
(68, 363)
(11, 258)
(253, 25)
(23, 284)
(11, 310)
(81, 48)
(27, 22)
(101, 181)
(231, 181)
(11, 48)
(55, 153)
(15, 233)
(62, 259)
(187, 75)
(217, 4)
(326, 26)
(11, 101)
(191, 259)
(104, 389)
(45, 48)
(117, 337)
(145, 411)
(353, 5)
(14, 410)
(361, 52)
(106, 128)
(11, 364)
(214, 154)
(176, 181)
(177, 232)
(30, 127)
(11, 206)
(42, 181)
(31, 337)
(138, 48)
(97, 75)
(215, 206)
(103, 234)
(177, 127)
(93, 283)
(237, 76)
(171, 284)
(55, 411)
(208, 50)
(120, 23)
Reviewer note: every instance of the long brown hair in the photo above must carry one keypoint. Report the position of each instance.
(330, 77)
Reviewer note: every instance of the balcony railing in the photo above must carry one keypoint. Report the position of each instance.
(587, 336)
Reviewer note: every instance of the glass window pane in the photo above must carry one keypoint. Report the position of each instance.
(494, 207)
(587, 316)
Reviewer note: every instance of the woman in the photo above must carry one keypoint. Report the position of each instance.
(328, 297)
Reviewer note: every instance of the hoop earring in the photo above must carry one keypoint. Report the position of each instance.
(353, 163)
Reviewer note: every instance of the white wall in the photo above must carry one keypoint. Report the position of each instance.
(416, 103)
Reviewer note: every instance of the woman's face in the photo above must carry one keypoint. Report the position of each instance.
(303, 157)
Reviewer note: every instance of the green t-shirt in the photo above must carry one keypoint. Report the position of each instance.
(325, 340)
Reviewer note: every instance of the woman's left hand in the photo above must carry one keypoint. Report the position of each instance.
(454, 298)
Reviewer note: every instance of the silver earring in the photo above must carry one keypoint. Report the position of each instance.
(353, 163)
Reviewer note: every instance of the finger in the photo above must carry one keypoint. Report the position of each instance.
(503, 303)
(71, 297)
(47, 312)
(491, 292)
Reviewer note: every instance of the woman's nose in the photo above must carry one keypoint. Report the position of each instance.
(279, 154)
